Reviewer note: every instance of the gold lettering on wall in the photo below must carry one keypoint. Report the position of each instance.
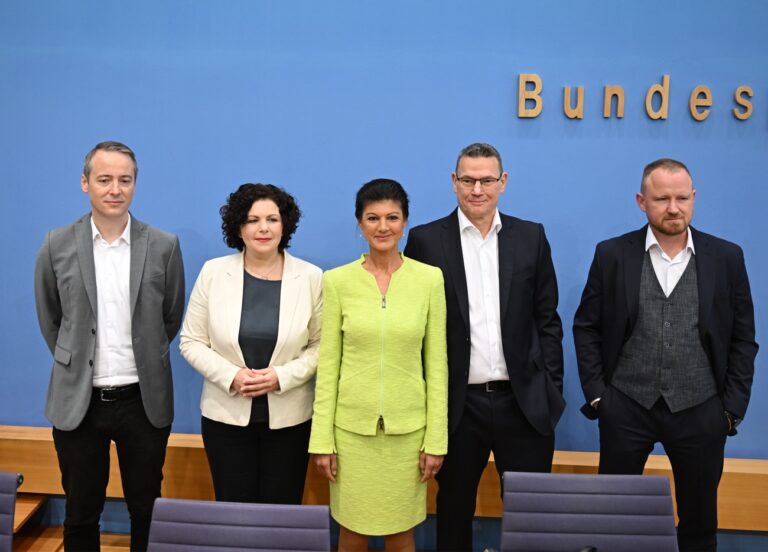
(742, 91)
(530, 103)
(701, 96)
(573, 112)
(610, 93)
(663, 91)
(525, 95)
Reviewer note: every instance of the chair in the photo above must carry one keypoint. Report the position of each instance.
(570, 512)
(9, 482)
(205, 526)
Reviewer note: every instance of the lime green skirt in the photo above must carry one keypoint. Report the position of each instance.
(378, 488)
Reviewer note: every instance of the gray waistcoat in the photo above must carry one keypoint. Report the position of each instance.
(664, 355)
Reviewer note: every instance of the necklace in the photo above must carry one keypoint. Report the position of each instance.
(264, 276)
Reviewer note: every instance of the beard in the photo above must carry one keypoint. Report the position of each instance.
(671, 227)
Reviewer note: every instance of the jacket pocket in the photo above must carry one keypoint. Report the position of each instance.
(62, 356)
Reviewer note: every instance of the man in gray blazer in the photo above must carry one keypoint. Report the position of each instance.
(109, 292)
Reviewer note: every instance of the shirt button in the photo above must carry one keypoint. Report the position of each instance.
(90, 363)
(667, 324)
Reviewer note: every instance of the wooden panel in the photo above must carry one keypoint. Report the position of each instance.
(39, 539)
(30, 451)
(33, 458)
(743, 496)
(26, 505)
(186, 473)
(315, 487)
(115, 542)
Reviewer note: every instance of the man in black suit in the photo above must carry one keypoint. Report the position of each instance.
(505, 356)
(665, 340)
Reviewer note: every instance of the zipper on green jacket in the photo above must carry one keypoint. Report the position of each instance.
(381, 363)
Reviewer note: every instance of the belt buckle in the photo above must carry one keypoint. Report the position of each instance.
(102, 397)
(488, 387)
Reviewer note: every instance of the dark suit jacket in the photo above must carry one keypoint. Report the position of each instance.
(531, 331)
(65, 296)
(607, 314)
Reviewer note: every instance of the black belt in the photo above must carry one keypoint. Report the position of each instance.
(112, 394)
(490, 386)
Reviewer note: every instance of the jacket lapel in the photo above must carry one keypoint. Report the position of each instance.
(289, 300)
(705, 269)
(84, 238)
(634, 251)
(234, 301)
(506, 262)
(455, 263)
(139, 242)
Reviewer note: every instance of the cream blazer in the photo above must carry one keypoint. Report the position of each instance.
(209, 340)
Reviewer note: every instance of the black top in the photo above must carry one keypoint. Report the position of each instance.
(259, 320)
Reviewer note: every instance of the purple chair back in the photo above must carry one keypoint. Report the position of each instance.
(569, 512)
(8, 484)
(205, 526)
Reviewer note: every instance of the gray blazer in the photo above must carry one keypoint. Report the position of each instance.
(65, 296)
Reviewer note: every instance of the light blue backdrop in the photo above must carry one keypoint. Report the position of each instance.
(320, 97)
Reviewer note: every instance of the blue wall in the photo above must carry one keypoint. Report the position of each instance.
(320, 97)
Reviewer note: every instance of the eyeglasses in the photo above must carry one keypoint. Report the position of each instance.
(469, 182)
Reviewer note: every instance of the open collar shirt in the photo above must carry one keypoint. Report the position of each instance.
(481, 266)
(668, 270)
(115, 364)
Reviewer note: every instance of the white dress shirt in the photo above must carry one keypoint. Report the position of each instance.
(668, 270)
(114, 364)
(481, 266)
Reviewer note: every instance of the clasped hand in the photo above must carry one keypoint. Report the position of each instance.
(254, 383)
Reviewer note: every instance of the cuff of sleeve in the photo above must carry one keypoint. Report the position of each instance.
(322, 450)
(434, 447)
(280, 380)
(231, 380)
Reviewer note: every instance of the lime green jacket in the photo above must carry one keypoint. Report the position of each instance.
(382, 358)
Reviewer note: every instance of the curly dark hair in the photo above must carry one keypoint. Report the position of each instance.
(234, 213)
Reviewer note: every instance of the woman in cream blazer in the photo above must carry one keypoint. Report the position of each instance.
(256, 418)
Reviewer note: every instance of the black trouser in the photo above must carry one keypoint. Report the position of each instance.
(84, 462)
(490, 422)
(255, 463)
(694, 440)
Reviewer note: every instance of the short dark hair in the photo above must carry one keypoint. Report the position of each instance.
(234, 213)
(109, 145)
(381, 189)
(480, 150)
(671, 165)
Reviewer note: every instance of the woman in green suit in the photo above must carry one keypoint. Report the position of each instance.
(379, 429)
